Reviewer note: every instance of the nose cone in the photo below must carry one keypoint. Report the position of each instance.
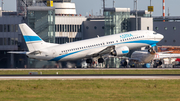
(161, 36)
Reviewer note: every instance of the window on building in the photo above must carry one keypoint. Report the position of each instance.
(12, 41)
(1, 41)
(165, 28)
(148, 28)
(87, 27)
(16, 28)
(156, 28)
(174, 40)
(8, 28)
(165, 41)
(16, 41)
(95, 27)
(1, 28)
(55, 28)
(75, 28)
(174, 28)
(67, 28)
(9, 41)
(5, 28)
(59, 28)
(11, 28)
(70, 28)
(102, 27)
(5, 41)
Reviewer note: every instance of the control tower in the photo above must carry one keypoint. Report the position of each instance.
(64, 7)
(61, 6)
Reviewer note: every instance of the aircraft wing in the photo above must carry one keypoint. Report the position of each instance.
(17, 52)
(101, 51)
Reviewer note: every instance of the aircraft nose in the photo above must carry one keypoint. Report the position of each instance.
(161, 36)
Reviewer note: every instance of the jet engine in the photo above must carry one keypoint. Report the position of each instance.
(157, 63)
(124, 63)
(120, 51)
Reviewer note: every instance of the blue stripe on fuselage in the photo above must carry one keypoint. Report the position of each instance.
(31, 38)
(62, 56)
(150, 42)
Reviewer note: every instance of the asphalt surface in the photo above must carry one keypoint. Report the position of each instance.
(91, 76)
(90, 69)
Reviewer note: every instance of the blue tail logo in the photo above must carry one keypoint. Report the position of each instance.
(32, 38)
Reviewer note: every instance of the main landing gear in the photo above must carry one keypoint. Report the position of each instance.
(89, 61)
(100, 60)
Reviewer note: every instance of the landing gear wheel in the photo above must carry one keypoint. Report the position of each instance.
(89, 61)
(124, 63)
(160, 63)
(100, 60)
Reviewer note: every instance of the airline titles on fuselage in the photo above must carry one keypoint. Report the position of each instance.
(126, 36)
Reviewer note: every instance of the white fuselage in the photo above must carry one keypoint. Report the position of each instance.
(85, 48)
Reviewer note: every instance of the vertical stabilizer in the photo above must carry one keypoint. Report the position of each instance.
(33, 41)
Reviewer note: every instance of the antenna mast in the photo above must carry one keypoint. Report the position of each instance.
(113, 3)
(103, 6)
(2, 3)
(135, 8)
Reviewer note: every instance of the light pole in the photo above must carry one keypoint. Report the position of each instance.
(150, 12)
(135, 7)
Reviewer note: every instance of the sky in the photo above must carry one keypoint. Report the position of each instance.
(85, 7)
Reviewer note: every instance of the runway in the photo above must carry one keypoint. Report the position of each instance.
(77, 77)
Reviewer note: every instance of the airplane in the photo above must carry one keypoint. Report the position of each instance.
(146, 56)
(115, 45)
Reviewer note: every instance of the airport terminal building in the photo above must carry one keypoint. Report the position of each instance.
(56, 21)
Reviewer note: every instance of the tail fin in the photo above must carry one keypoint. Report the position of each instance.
(33, 41)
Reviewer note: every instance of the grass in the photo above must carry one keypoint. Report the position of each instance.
(14, 72)
(90, 90)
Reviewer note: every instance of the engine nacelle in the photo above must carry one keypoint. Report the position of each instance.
(120, 51)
